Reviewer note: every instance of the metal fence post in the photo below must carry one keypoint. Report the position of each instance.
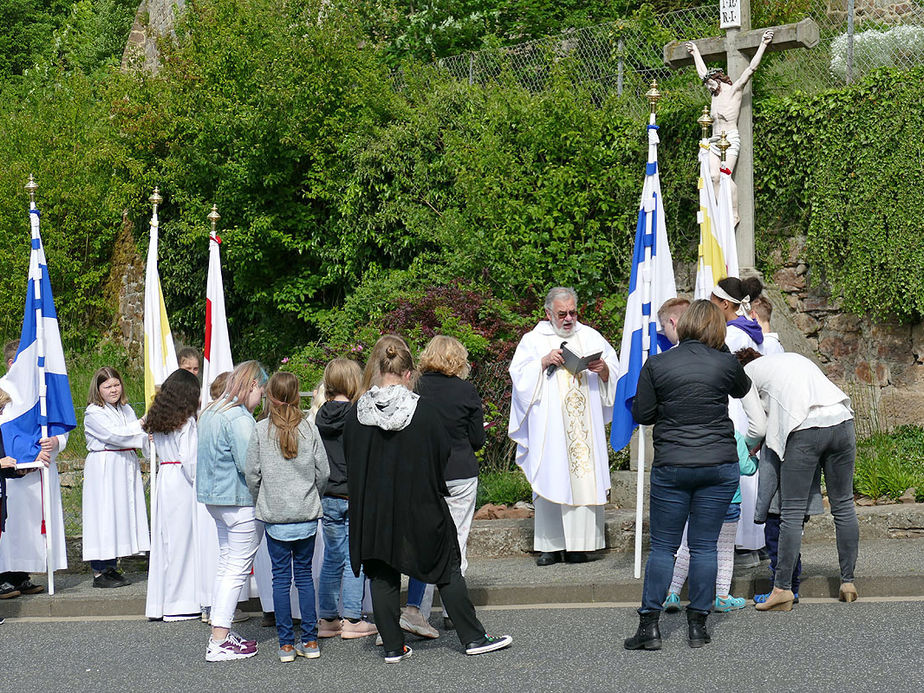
(850, 12)
(471, 68)
(620, 49)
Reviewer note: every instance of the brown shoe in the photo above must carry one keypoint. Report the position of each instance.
(777, 601)
(360, 629)
(329, 627)
(848, 592)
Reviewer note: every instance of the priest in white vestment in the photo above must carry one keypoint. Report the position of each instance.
(557, 420)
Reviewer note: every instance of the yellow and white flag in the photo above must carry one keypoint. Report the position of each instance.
(718, 252)
(159, 352)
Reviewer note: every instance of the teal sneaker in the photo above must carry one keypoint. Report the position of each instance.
(729, 603)
(672, 603)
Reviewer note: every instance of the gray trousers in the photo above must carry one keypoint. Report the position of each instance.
(833, 449)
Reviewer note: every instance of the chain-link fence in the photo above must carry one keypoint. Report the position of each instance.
(622, 57)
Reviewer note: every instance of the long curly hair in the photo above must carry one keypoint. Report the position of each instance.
(282, 400)
(177, 400)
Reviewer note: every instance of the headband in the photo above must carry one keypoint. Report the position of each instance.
(744, 304)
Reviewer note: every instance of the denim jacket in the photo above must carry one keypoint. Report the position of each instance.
(224, 435)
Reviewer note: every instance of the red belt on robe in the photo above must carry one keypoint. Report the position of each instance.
(171, 462)
(119, 449)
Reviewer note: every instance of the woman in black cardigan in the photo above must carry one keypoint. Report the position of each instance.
(684, 392)
(444, 369)
(396, 451)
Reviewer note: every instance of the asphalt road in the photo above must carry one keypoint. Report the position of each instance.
(822, 645)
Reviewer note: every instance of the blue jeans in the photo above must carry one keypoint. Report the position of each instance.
(335, 570)
(700, 495)
(292, 559)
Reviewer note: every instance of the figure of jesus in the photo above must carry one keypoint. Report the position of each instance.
(726, 105)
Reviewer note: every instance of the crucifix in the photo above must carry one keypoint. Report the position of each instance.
(738, 46)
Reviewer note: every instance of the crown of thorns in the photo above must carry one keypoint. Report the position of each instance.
(713, 73)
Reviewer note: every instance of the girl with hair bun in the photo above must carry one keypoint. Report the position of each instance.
(396, 449)
(172, 568)
(286, 473)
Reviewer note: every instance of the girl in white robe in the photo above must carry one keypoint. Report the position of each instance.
(172, 568)
(115, 521)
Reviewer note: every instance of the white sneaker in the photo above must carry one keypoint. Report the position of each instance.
(398, 655)
(488, 643)
(227, 650)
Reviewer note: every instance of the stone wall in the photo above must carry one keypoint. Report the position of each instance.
(125, 293)
(154, 18)
(888, 11)
(881, 364)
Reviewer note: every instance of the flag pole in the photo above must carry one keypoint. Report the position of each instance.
(155, 199)
(653, 96)
(31, 187)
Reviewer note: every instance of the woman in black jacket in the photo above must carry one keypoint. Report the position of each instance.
(444, 369)
(684, 393)
(396, 451)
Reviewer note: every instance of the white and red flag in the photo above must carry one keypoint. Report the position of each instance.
(216, 357)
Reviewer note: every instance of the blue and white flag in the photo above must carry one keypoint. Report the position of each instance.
(37, 381)
(650, 284)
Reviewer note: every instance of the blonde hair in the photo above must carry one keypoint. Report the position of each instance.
(283, 399)
(372, 374)
(239, 383)
(702, 321)
(446, 355)
(100, 377)
(341, 377)
(4, 399)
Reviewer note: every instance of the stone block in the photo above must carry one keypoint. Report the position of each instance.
(806, 323)
(788, 280)
(844, 322)
(837, 347)
(623, 487)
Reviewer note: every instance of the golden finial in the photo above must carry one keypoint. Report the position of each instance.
(653, 96)
(31, 187)
(155, 198)
(723, 144)
(705, 122)
(213, 217)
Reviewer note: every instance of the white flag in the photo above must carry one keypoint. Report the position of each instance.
(159, 352)
(217, 353)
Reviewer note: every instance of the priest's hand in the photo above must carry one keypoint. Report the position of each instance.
(553, 358)
(600, 368)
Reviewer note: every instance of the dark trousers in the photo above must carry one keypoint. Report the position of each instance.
(700, 495)
(385, 586)
(14, 578)
(772, 537)
(291, 561)
(834, 449)
(100, 566)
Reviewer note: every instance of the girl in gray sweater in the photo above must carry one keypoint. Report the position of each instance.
(286, 473)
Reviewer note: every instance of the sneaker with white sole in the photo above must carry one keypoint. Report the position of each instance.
(396, 656)
(206, 615)
(309, 650)
(329, 627)
(360, 629)
(238, 638)
(378, 640)
(488, 643)
(227, 650)
(287, 653)
(414, 622)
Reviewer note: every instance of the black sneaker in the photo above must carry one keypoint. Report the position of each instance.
(269, 619)
(29, 587)
(105, 580)
(7, 591)
(395, 656)
(117, 576)
(488, 643)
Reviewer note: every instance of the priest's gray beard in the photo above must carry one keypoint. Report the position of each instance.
(561, 332)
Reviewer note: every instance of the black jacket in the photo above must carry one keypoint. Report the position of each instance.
(329, 420)
(398, 514)
(4, 475)
(684, 393)
(459, 406)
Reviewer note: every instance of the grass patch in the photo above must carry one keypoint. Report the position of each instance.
(888, 464)
(503, 488)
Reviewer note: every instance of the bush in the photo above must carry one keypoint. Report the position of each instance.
(900, 46)
(503, 488)
(888, 464)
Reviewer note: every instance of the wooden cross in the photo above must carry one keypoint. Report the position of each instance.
(737, 47)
